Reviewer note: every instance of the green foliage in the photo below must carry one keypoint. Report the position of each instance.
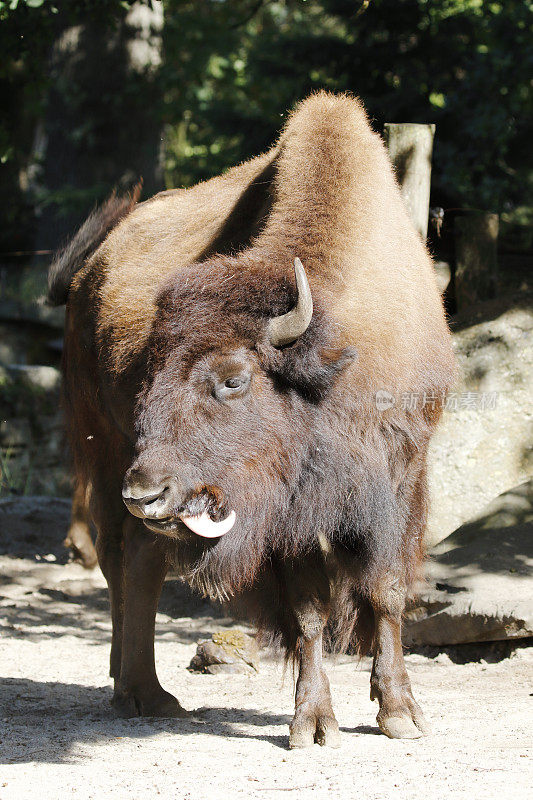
(15, 474)
(231, 71)
(234, 68)
(73, 7)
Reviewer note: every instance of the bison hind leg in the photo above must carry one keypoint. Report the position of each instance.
(80, 543)
(79, 538)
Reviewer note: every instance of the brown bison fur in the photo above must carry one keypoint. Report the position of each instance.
(329, 491)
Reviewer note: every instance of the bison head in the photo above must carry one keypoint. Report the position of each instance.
(232, 422)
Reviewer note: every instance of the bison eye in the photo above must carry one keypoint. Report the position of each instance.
(235, 386)
(233, 383)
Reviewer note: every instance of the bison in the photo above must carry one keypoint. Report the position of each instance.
(228, 349)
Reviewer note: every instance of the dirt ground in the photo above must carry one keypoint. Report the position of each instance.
(59, 737)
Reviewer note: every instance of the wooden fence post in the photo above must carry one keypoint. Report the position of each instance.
(410, 148)
(476, 261)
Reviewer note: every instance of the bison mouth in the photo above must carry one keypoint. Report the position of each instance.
(201, 524)
(203, 514)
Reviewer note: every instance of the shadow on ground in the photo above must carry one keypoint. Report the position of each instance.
(82, 608)
(48, 720)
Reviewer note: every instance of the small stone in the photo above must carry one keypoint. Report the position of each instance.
(229, 651)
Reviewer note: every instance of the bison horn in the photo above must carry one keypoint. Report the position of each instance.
(289, 327)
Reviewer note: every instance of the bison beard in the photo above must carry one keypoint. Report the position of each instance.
(205, 386)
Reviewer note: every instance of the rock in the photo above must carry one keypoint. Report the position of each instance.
(33, 311)
(29, 343)
(34, 527)
(29, 391)
(55, 345)
(443, 273)
(15, 433)
(483, 444)
(14, 344)
(480, 579)
(32, 441)
(35, 377)
(230, 651)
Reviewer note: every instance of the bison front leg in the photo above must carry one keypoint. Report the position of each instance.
(137, 690)
(399, 716)
(314, 720)
(309, 596)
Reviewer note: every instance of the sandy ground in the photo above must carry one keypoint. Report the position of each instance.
(59, 737)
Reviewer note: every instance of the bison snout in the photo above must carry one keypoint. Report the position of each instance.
(152, 502)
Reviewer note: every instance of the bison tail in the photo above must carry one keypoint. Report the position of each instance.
(83, 244)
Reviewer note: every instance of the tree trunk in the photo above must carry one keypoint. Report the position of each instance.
(103, 122)
(476, 263)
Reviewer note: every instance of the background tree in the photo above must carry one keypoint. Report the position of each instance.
(81, 85)
(81, 115)
(233, 70)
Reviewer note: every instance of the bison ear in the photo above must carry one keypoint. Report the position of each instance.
(309, 370)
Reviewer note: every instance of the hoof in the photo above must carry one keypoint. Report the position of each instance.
(87, 560)
(125, 706)
(404, 724)
(83, 554)
(128, 705)
(308, 730)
